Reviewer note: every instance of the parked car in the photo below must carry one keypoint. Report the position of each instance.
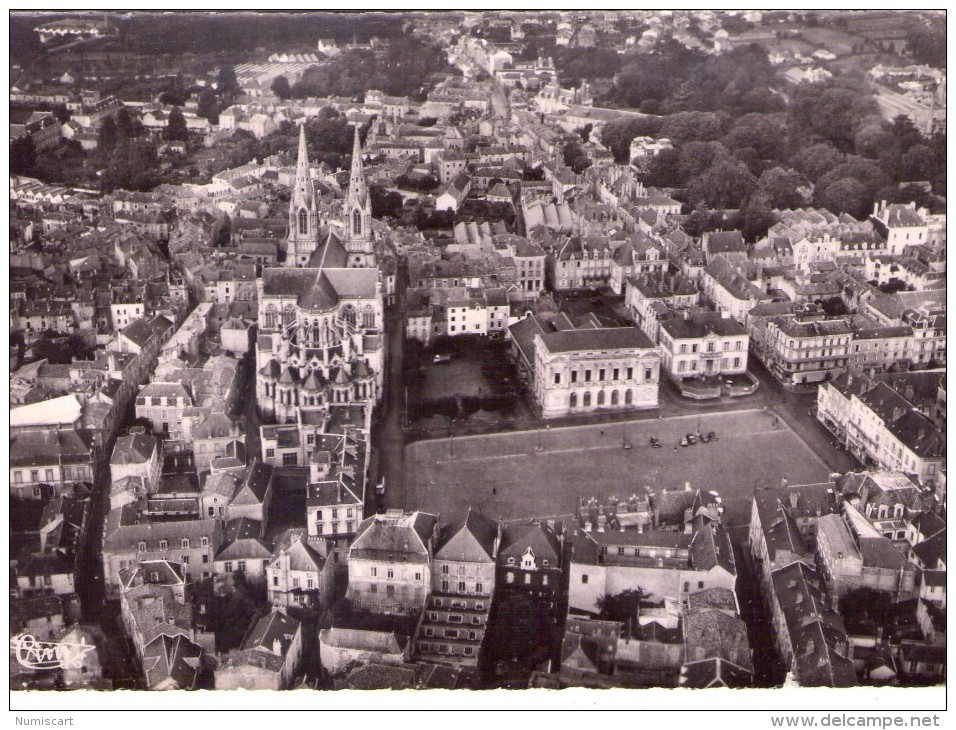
(691, 438)
(684, 442)
(656, 442)
(711, 436)
(442, 359)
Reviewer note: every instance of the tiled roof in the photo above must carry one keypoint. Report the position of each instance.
(609, 338)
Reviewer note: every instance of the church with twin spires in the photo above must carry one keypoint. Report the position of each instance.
(321, 316)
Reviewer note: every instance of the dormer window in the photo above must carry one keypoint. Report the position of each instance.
(142, 546)
(163, 545)
(511, 561)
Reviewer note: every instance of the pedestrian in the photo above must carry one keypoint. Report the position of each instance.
(675, 449)
(602, 431)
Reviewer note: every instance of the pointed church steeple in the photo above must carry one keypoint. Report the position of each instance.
(303, 210)
(358, 190)
(302, 195)
(358, 212)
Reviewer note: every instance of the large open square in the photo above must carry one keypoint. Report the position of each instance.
(543, 473)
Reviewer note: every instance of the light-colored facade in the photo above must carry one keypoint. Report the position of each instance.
(390, 562)
(703, 344)
(805, 351)
(580, 371)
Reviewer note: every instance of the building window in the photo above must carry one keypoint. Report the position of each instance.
(527, 579)
(242, 565)
(163, 545)
(444, 586)
(584, 578)
(228, 566)
(510, 577)
(142, 546)
(205, 558)
(204, 541)
(184, 543)
(557, 378)
(391, 574)
(444, 569)
(289, 459)
(270, 453)
(478, 588)
(374, 572)
(630, 373)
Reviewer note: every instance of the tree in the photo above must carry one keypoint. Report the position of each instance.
(919, 163)
(905, 133)
(107, 136)
(208, 106)
(845, 195)
(663, 169)
(695, 157)
(617, 135)
(281, 88)
(763, 132)
(23, 156)
(623, 606)
(575, 157)
(176, 129)
(124, 124)
(869, 174)
(62, 113)
(780, 188)
(927, 45)
(873, 139)
(757, 217)
(725, 184)
(385, 203)
(227, 84)
(817, 160)
(585, 131)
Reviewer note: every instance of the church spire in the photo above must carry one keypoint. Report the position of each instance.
(301, 194)
(357, 187)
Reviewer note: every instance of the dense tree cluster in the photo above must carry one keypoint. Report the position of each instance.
(584, 64)
(399, 70)
(178, 33)
(679, 79)
(827, 147)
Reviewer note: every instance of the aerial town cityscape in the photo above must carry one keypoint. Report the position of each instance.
(477, 350)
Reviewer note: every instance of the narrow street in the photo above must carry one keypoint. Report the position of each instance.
(389, 436)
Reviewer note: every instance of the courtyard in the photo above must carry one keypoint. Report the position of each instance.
(543, 473)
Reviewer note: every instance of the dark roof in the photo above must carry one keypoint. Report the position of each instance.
(609, 338)
(700, 324)
(276, 627)
(517, 538)
(470, 539)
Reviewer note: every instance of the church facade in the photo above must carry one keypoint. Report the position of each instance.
(321, 317)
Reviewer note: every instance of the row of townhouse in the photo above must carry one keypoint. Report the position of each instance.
(871, 530)
(878, 421)
(455, 311)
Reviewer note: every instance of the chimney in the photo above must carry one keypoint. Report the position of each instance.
(794, 498)
(277, 647)
(783, 483)
(686, 486)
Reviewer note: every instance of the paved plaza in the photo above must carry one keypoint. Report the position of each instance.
(543, 473)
